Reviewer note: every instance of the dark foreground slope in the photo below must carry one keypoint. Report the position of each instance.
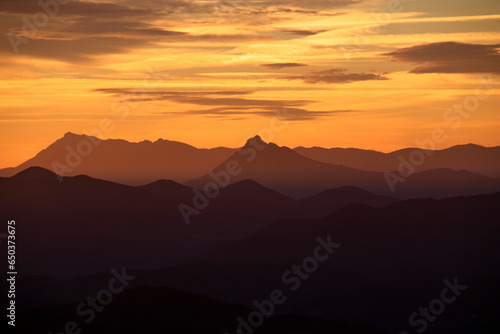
(163, 310)
(390, 262)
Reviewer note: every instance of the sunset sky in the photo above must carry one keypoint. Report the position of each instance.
(373, 74)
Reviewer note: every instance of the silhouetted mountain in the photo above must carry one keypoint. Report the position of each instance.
(332, 199)
(329, 293)
(422, 238)
(146, 162)
(441, 183)
(122, 161)
(244, 207)
(288, 172)
(168, 188)
(392, 258)
(473, 158)
(165, 310)
(251, 190)
(101, 222)
(36, 173)
(83, 224)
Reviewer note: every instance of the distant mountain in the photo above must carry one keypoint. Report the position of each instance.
(124, 162)
(288, 172)
(442, 183)
(145, 162)
(473, 158)
(292, 174)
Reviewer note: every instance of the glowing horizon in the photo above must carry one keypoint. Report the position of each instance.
(212, 73)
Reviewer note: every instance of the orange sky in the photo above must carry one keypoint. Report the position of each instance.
(368, 74)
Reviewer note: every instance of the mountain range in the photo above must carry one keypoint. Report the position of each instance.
(298, 173)
(290, 173)
(392, 255)
(207, 232)
(142, 226)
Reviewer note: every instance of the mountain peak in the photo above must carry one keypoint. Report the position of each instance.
(255, 141)
(70, 134)
(36, 173)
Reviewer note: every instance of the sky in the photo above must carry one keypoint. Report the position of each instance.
(369, 74)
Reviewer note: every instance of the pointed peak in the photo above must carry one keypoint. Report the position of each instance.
(255, 141)
(70, 134)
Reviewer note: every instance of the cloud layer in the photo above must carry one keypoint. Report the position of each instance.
(450, 57)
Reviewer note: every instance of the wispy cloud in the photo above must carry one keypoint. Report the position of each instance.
(298, 114)
(217, 98)
(338, 76)
(300, 32)
(279, 66)
(226, 103)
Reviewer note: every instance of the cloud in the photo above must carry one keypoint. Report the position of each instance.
(281, 111)
(217, 98)
(279, 66)
(122, 91)
(340, 76)
(86, 26)
(302, 32)
(131, 25)
(79, 50)
(77, 8)
(225, 103)
(312, 4)
(450, 57)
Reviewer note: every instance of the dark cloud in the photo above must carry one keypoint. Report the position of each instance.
(105, 38)
(92, 26)
(311, 4)
(122, 26)
(222, 98)
(221, 38)
(279, 66)
(121, 91)
(79, 50)
(450, 57)
(282, 111)
(340, 76)
(225, 103)
(74, 8)
(302, 32)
